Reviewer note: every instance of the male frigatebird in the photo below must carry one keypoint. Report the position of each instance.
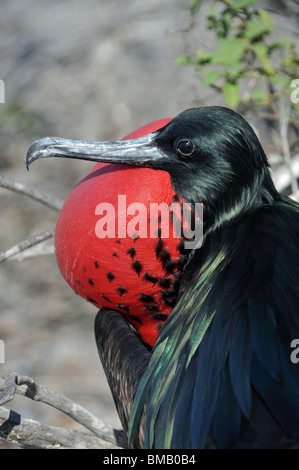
(221, 372)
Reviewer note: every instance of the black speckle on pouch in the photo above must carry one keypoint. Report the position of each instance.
(164, 282)
(146, 298)
(164, 257)
(115, 254)
(132, 252)
(121, 290)
(90, 282)
(181, 247)
(151, 308)
(91, 300)
(168, 294)
(159, 247)
(96, 264)
(137, 266)
(159, 316)
(150, 278)
(170, 302)
(123, 307)
(105, 297)
(159, 232)
(110, 276)
(170, 266)
(171, 216)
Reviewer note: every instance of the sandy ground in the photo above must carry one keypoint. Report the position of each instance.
(87, 70)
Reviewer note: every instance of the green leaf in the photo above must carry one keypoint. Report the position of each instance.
(203, 56)
(230, 52)
(238, 4)
(231, 93)
(283, 41)
(265, 20)
(259, 95)
(211, 77)
(261, 52)
(291, 63)
(236, 71)
(184, 59)
(279, 80)
(255, 30)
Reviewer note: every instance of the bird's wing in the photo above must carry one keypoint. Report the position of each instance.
(225, 349)
(124, 359)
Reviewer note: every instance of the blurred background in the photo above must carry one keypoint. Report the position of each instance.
(93, 70)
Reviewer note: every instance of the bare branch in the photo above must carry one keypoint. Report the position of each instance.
(9, 387)
(29, 433)
(41, 249)
(17, 384)
(275, 117)
(284, 116)
(24, 244)
(45, 198)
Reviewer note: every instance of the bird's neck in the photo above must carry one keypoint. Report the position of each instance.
(237, 203)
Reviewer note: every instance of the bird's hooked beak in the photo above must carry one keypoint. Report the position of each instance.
(142, 151)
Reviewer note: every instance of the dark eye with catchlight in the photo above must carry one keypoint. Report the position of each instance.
(184, 147)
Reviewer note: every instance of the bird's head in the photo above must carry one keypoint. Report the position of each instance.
(212, 154)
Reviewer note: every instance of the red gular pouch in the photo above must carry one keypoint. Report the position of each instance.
(110, 244)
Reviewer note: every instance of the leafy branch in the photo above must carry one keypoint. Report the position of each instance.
(252, 70)
(247, 60)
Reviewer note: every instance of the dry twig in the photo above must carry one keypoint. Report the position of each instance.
(25, 244)
(40, 196)
(13, 384)
(34, 193)
(30, 433)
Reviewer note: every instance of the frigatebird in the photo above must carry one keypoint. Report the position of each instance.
(221, 372)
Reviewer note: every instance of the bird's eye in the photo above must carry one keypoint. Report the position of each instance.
(184, 147)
